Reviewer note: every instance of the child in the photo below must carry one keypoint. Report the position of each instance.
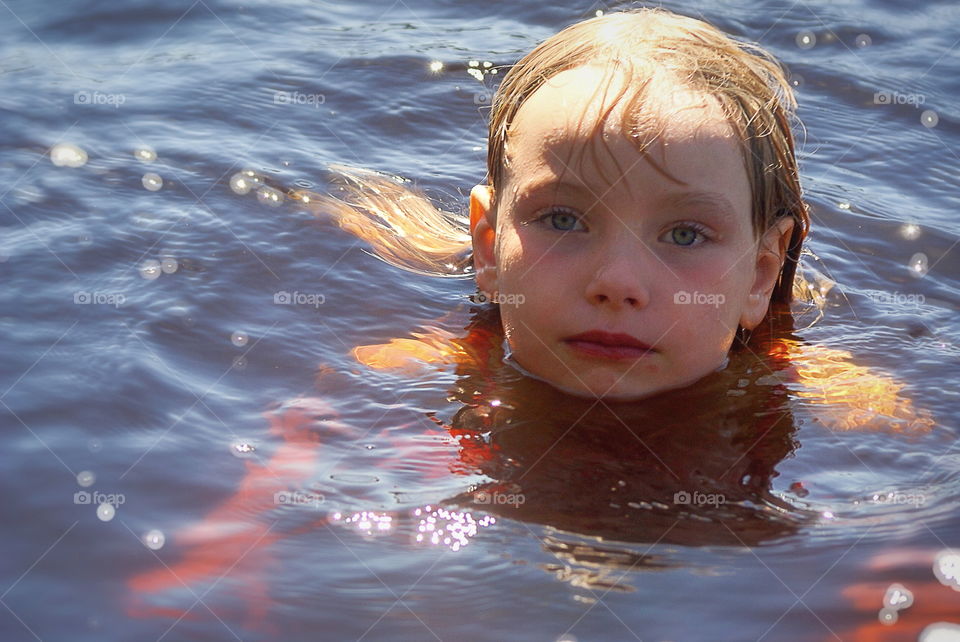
(642, 208)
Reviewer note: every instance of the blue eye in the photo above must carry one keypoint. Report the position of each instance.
(562, 220)
(686, 235)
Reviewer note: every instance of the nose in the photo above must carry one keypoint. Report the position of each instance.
(622, 278)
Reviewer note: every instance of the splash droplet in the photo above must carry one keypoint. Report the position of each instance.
(863, 40)
(152, 182)
(929, 118)
(269, 196)
(169, 265)
(239, 339)
(145, 153)
(806, 39)
(240, 183)
(154, 540)
(150, 269)
(105, 512)
(86, 478)
(919, 265)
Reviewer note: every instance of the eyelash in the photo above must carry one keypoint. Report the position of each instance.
(701, 231)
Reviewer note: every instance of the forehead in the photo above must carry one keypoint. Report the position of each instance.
(583, 123)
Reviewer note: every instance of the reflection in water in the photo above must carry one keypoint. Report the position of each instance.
(691, 467)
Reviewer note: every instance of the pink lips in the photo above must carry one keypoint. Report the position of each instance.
(606, 345)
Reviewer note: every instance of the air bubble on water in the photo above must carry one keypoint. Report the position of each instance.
(152, 182)
(150, 269)
(863, 40)
(169, 265)
(946, 566)
(888, 616)
(105, 512)
(269, 196)
(240, 183)
(910, 231)
(898, 597)
(154, 539)
(919, 264)
(145, 153)
(929, 118)
(239, 339)
(86, 478)
(806, 39)
(796, 80)
(243, 448)
(68, 155)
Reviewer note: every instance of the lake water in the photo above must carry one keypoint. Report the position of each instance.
(194, 453)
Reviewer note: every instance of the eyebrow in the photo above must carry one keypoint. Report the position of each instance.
(720, 203)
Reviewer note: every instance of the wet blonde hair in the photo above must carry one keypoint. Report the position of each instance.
(406, 230)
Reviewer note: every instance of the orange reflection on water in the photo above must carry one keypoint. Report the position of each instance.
(852, 396)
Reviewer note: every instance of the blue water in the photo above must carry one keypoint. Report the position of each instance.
(143, 348)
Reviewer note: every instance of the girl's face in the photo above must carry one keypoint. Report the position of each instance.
(614, 280)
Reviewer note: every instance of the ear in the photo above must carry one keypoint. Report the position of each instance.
(484, 238)
(771, 253)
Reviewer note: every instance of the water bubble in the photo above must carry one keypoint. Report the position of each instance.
(152, 182)
(806, 39)
(94, 445)
(240, 183)
(68, 155)
(239, 362)
(269, 196)
(145, 153)
(898, 597)
(929, 118)
(105, 512)
(946, 567)
(86, 478)
(239, 339)
(150, 269)
(863, 40)
(169, 265)
(910, 231)
(796, 80)
(888, 616)
(243, 448)
(918, 264)
(154, 540)
(940, 632)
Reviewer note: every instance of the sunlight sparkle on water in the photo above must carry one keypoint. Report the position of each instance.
(67, 155)
(152, 182)
(154, 539)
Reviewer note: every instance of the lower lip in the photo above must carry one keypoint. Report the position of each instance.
(620, 353)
